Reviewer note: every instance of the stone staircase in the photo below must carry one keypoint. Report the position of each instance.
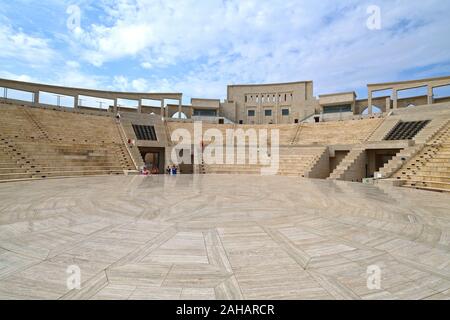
(430, 169)
(293, 162)
(397, 161)
(347, 169)
(133, 152)
(295, 165)
(38, 143)
(425, 135)
(296, 135)
(320, 167)
(430, 131)
(13, 163)
(383, 130)
(38, 127)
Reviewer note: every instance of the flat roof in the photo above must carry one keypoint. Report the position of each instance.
(337, 94)
(86, 90)
(204, 99)
(408, 81)
(268, 84)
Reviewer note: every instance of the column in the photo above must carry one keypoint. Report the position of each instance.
(36, 98)
(369, 103)
(395, 98)
(162, 108)
(277, 108)
(167, 112)
(388, 104)
(260, 116)
(140, 106)
(76, 102)
(115, 106)
(180, 108)
(430, 99)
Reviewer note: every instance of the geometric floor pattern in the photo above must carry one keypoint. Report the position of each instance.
(222, 237)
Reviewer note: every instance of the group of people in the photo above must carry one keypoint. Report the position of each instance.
(173, 171)
(146, 172)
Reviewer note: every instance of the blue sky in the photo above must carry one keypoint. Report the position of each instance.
(199, 47)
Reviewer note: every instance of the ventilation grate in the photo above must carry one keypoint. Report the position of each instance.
(147, 133)
(406, 130)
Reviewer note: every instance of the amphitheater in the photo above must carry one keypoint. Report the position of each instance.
(355, 191)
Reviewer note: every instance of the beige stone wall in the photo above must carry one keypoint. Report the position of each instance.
(357, 171)
(296, 97)
(337, 98)
(336, 160)
(205, 103)
(321, 169)
(155, 110)
(128, 119)
(228, 110)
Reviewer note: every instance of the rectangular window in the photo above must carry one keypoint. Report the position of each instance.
(205, 113)
(337, 109)
(145, 132)
(268, 113)
(251, 113)
(285, 112)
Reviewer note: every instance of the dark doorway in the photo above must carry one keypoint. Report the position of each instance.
(316, 119)
(377, 158)
(153, 158)
(221, 121)
(381, 160)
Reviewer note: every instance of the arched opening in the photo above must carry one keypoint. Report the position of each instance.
(375, 110)
(176, 116)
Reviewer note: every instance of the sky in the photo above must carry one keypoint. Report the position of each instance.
(198, 47)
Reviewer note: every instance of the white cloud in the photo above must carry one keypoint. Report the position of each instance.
(22, 47)
(73, 64)
(250, 41)
(140, 85)
(122, 83)
(17, 77)
(146, 65)
(198, 47)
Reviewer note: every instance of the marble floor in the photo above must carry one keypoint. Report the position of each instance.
(222, 237)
